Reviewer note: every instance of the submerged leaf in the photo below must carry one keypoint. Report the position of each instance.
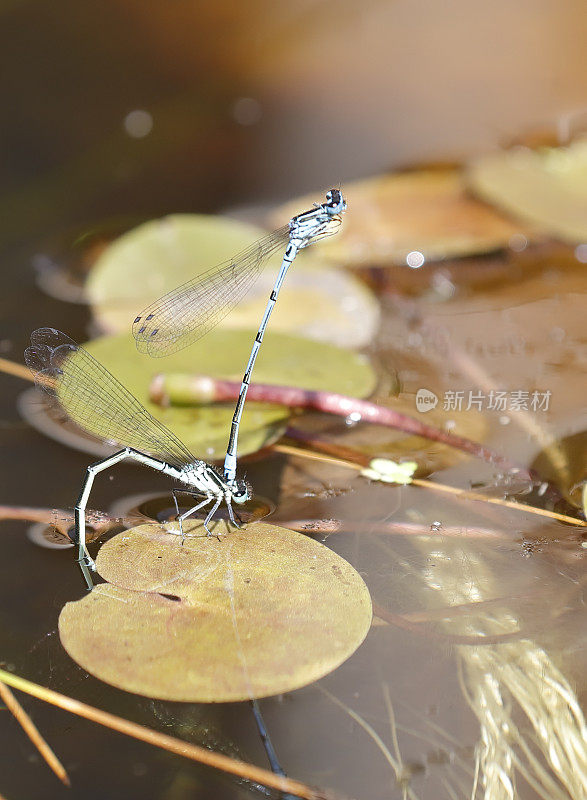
(428, 211)
(154, 258)
(259, 612)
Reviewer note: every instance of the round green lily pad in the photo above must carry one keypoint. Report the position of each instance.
(152, 259)
(256, 612)
(287, 360)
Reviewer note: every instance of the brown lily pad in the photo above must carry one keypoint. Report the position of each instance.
(257, 612)
(427, 210)
(545, 188)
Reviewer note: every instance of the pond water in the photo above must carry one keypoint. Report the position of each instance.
(471, 680)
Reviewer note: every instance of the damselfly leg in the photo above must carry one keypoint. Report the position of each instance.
(96, 401)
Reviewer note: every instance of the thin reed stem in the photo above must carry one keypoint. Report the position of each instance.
(194, 752)
(33, 733)
(360, 461)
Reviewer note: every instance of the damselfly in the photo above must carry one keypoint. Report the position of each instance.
(184, 315)
(97, 402)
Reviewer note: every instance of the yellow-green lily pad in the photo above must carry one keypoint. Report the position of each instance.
(256, 612)
(546, 187)
(283, 359)
(564, 463)
(152, 259)
(427, 210)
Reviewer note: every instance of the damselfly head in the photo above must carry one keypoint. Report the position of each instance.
(241, 491)
(335, 202)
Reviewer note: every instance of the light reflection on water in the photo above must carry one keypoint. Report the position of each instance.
(473, 668)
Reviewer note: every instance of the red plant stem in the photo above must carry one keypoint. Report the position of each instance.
(207, 389)
(62, 519)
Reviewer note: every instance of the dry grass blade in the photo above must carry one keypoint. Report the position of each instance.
(194, 752)
(531, 723)
(362, 460)
(18, 370)
(394, 763)
(32, 732)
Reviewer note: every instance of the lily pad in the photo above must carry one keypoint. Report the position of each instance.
(546, 187)
(564, 462)
(260, 611)
(428, 211)
(150, 260)
(283, 359)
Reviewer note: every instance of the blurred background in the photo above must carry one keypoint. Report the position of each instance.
(133, 107)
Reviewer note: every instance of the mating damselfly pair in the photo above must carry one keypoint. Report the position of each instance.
(86, 390)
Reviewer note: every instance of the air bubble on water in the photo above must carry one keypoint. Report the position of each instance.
(415, 259)
(45, 536)
(246, 111)
(557, 334)
(518, 242)
(443, 285)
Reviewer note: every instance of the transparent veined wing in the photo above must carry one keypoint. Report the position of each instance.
(187, 313)
(95, 400)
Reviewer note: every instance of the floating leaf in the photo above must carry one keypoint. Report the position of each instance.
(428, 211)
(283, 359)
(159, 255)
(564, 462)
(387, 471)
(261, 611)
(545, 187)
